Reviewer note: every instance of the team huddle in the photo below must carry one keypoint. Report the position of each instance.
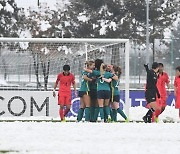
(99, 93)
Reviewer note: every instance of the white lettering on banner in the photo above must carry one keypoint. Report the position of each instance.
(123, 103)
(140, 100)
(173, 102)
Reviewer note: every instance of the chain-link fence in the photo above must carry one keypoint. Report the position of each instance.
(20, 67)
(166, 51)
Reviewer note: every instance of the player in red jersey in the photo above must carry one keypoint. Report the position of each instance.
(177, 89)
(162, 82)
(64, 79)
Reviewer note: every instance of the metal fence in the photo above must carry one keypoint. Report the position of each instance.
(166, 51)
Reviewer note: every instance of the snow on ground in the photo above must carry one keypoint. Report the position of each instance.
(90, 138)
(135, 114)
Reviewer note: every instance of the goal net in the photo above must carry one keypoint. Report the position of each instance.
(32, 64)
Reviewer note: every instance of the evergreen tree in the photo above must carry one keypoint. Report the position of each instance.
(175, 43)
(9, 18)
(120, 18)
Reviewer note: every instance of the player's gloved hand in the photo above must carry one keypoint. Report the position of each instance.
(54, 93)
(146, 65)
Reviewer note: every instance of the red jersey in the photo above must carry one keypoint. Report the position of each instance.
(163, 79)
(65, 82)
(177, 85)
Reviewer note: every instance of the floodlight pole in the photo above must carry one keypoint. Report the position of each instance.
(147, 31)
(38, 2)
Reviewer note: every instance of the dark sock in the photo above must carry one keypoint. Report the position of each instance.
(149, 115)
(105, 115)
(92, 112)
(80, 114)
(101, 110)
(111, 113)
(114, 114)
(87, 114)
(96, 113)
(107, 110)
(121, 113)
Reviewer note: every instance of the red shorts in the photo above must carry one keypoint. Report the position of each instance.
(64, 98)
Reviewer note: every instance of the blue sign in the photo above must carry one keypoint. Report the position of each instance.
(137, 98)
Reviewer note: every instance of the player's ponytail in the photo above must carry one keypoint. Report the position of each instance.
(98, 63)
(103, 68)
(117, 70)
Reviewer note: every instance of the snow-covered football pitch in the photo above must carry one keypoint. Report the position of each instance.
(89, 138)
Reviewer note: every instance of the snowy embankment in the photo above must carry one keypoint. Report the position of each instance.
(89, 138)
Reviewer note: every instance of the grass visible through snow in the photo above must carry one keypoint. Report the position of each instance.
(7, 151)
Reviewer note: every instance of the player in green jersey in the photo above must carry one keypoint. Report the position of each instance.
(84, 90)
(103, 89)
(93, 95)
(115, 94)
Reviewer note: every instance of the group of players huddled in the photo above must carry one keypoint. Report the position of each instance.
(99, 93)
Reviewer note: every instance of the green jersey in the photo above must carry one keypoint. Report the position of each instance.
(93, 84)
(114, 87)
(84, 83)
(101, 84)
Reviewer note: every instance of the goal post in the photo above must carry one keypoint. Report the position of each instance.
(28, 62)
(127, 101)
